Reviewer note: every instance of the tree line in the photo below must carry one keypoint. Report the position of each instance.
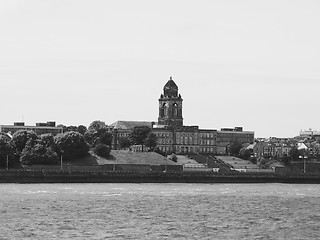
(27, 148)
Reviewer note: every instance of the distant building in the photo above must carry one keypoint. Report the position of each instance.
(309, 133)
(273, 147)
(228, 135)
(40, 128)
(174, 137)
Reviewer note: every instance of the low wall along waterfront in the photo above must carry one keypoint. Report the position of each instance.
(159, 174)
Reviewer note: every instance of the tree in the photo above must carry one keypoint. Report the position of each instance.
(245, 153)
(96, 131)
(99, 126)
(253, 160)
(38, 152)
(234, 148)
(294, 153)
(124, 142)
(81, 129)
(102, 150)
(105, 138)
(151, 141)
(90, 136)
(6, 150)
(47, 140)
(20, 138)
(71, 128)
(139, 134)
(71, 145)
(285, 159)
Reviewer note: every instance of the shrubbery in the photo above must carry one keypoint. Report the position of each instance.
(102, 150)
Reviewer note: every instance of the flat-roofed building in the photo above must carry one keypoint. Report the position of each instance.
(226, 136)
(40, 128)
(309, 133)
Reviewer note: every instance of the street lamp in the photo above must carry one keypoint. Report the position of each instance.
(304, 163)
(7, 163)
(61, 160)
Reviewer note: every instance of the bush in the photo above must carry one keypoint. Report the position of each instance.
(253, 160)
(102, 150)
(174, 157)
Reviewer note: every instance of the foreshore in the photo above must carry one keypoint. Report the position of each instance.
(41, 176)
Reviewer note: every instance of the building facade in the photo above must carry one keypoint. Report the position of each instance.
(186, 139)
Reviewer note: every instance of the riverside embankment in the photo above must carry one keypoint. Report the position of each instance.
(46, 176)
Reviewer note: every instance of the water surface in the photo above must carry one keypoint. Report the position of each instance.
(159, 211)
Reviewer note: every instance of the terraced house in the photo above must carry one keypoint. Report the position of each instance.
(174, 136)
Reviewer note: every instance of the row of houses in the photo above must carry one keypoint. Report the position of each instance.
(279, 147)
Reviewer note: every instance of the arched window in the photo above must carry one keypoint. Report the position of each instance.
(175, 109)
(163, 110)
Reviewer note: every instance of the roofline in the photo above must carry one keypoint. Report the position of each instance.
(47, 127)
(236, 131)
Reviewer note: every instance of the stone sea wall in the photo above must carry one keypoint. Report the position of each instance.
(43, 176)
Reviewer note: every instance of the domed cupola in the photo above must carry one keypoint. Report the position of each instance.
(170, 89)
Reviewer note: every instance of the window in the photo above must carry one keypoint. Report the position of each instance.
(175, 109)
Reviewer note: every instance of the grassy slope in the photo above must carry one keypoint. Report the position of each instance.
(123, 157)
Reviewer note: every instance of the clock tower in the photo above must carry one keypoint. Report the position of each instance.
(170, 106)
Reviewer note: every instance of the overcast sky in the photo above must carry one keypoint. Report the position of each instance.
(245, 63)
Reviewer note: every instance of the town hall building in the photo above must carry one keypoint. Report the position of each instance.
(174, 137)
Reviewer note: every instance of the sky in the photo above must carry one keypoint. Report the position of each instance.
(248, 63)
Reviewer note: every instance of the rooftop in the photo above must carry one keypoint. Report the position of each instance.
(127, 125)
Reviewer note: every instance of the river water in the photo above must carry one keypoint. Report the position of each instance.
(159, 211)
